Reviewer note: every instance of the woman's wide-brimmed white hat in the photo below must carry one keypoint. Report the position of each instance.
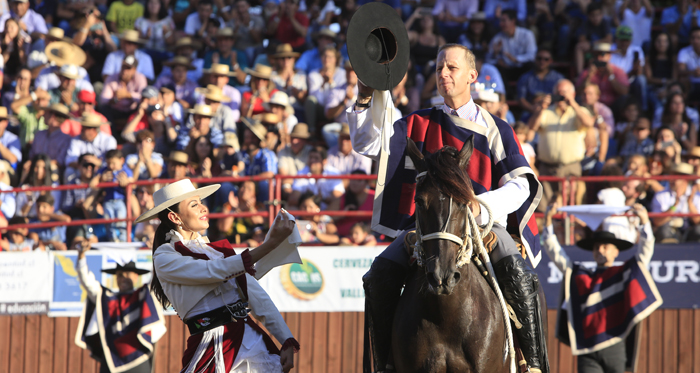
(175, 193)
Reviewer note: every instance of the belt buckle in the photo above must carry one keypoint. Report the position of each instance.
(238, 311)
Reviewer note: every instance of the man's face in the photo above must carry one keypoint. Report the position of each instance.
(127, 73)
(630, 189)
(126, 280)
(297, 144)
(204, 11)
(453, 74)
(604, 254)
(66, 83)
(602, 56)
(202, 123)
(87, 169)
(595, 17)
(695, 40)
(88, 133)
(224, 43)
(315, 163)
(623, 44)
(679, 186)
(19, 8)
(185, 51)
(86, 107)
(128, 47)
(507, 24)
(543, 60)
(53, 120)
(179, 74)
(590, 95)
(24, 78)
(176, 170)
(44, 208)
(344, 144)
(251, 142)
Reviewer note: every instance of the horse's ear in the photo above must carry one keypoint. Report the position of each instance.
(416, 156)
(466, 153)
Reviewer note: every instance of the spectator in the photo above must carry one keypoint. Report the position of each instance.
(73, 199)
(595, 29)
(273, 139)
(611, 80)
(675, 88)
(178, 165)
(452, 15)
(86, 104)
(330, 190)
(31, 117)
(7, 200)
(122, 15)
(149, 111)
(224, 118)
(122, 91)
(59, 54)
(41, 175)
(196, 23)
(630, 59)
(10, 147)
(660, 67)
(289, 25)
(91, 140)
(633, 191)
(21, 95)
(114, 171)
(288, 79)
(640, 143)
(667, 143)
(280, 105)
(173, 112)
(522, 132)
(201, 152)
(601, 112)
(637, 15)
(186, 47)
(358, 197)
(294, 157)
(258, 160)
(261, 88)
(51, 141)
(16, 238)
(130, 42)
(677, 20)
(248, 27)
(321, 84)
(31, 22)
(514, 48)
(340, 99)
(96, 40)
(492, 102)
(311, 59)
(360, 235)
(184, 87)
(231, 162)
(219, 75)
(538, 81)
(144, 231)
(693, 159)
(425, 38)
(15, 45)
(199, 125)
(689, 61)
(478, 33)
(157, 28)
(495, 9)
(676, 118)
(241, 229)
(225, 53)
(318, 228)
(562, 129)
(53, 238)
(146, 163)
(67, 91)
(344, 158)
(682, 198)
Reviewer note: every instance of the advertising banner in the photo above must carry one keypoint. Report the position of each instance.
(25, 283)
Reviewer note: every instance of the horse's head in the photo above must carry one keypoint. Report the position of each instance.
(443, 194)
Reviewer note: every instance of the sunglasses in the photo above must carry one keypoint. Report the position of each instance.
(88, 165)
(544, 58)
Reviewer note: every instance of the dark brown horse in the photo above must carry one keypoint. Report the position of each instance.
(448, 318)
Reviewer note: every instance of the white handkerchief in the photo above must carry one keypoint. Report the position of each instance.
(285, 253)
(593, 215)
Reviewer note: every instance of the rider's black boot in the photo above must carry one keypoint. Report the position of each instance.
(520, 287)
(382, 285)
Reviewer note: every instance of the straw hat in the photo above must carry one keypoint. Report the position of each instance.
(268, 118)
(325, 31)
(91, 120)
(58, 109)
(231, 139)
(69, 71)
(203, 110)
(682, 168)
(694, 152)
(261, 71)
(178, 157)
(279, 98)
(257, 128)
(175, 193)
(62, 53)
(344, 130)
(219, 69)
(602, 47)
(225, 32)
(285, 50)
(214, 93)
(6, 168)
(300, 131)
(3, 113)
(131, 36)
(58, 34)
(185, 42)
(180, 61)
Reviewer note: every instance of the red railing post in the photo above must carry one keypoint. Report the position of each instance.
(129, 189)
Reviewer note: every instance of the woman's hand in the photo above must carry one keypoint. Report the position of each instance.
(281, 228)
(287, 359)
(642, 213)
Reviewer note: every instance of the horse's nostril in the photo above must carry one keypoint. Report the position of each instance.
(456, 276)
(437, 281)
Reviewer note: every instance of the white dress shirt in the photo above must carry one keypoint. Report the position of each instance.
(503, 201)
(113, 64)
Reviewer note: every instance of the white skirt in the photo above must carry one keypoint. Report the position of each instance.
(253, 356)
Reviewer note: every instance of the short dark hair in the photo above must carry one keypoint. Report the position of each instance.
(46, 198)
(592, 7)
(114, 153)
(320, 150)
(316, 198)
(18, 220)
(206, 2)
(510, 13)
(692, 30)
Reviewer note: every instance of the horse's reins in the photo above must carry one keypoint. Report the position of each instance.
(464, 255)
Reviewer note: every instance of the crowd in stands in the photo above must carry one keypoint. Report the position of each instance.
(98, 91)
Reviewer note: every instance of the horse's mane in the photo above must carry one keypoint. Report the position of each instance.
(449, 177)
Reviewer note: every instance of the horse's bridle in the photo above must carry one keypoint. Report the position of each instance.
(462, 255)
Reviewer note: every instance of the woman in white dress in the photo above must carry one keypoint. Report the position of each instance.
(212, 289)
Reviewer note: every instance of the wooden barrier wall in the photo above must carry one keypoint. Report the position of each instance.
(330, 342)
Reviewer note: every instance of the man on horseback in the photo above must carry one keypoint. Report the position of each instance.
(500, 176)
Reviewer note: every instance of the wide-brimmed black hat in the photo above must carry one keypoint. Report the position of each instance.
(603, 237)
(131, 266)
(378, 46)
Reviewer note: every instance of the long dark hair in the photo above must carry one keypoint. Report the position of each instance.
(670, 51)
(159, 239)
(162, 13)
(666, 116)
(47, 170)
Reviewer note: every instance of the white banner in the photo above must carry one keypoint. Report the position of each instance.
(329, 280)
(26, 281)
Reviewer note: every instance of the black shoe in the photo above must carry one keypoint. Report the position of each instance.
(520, 287)
(383, 284)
